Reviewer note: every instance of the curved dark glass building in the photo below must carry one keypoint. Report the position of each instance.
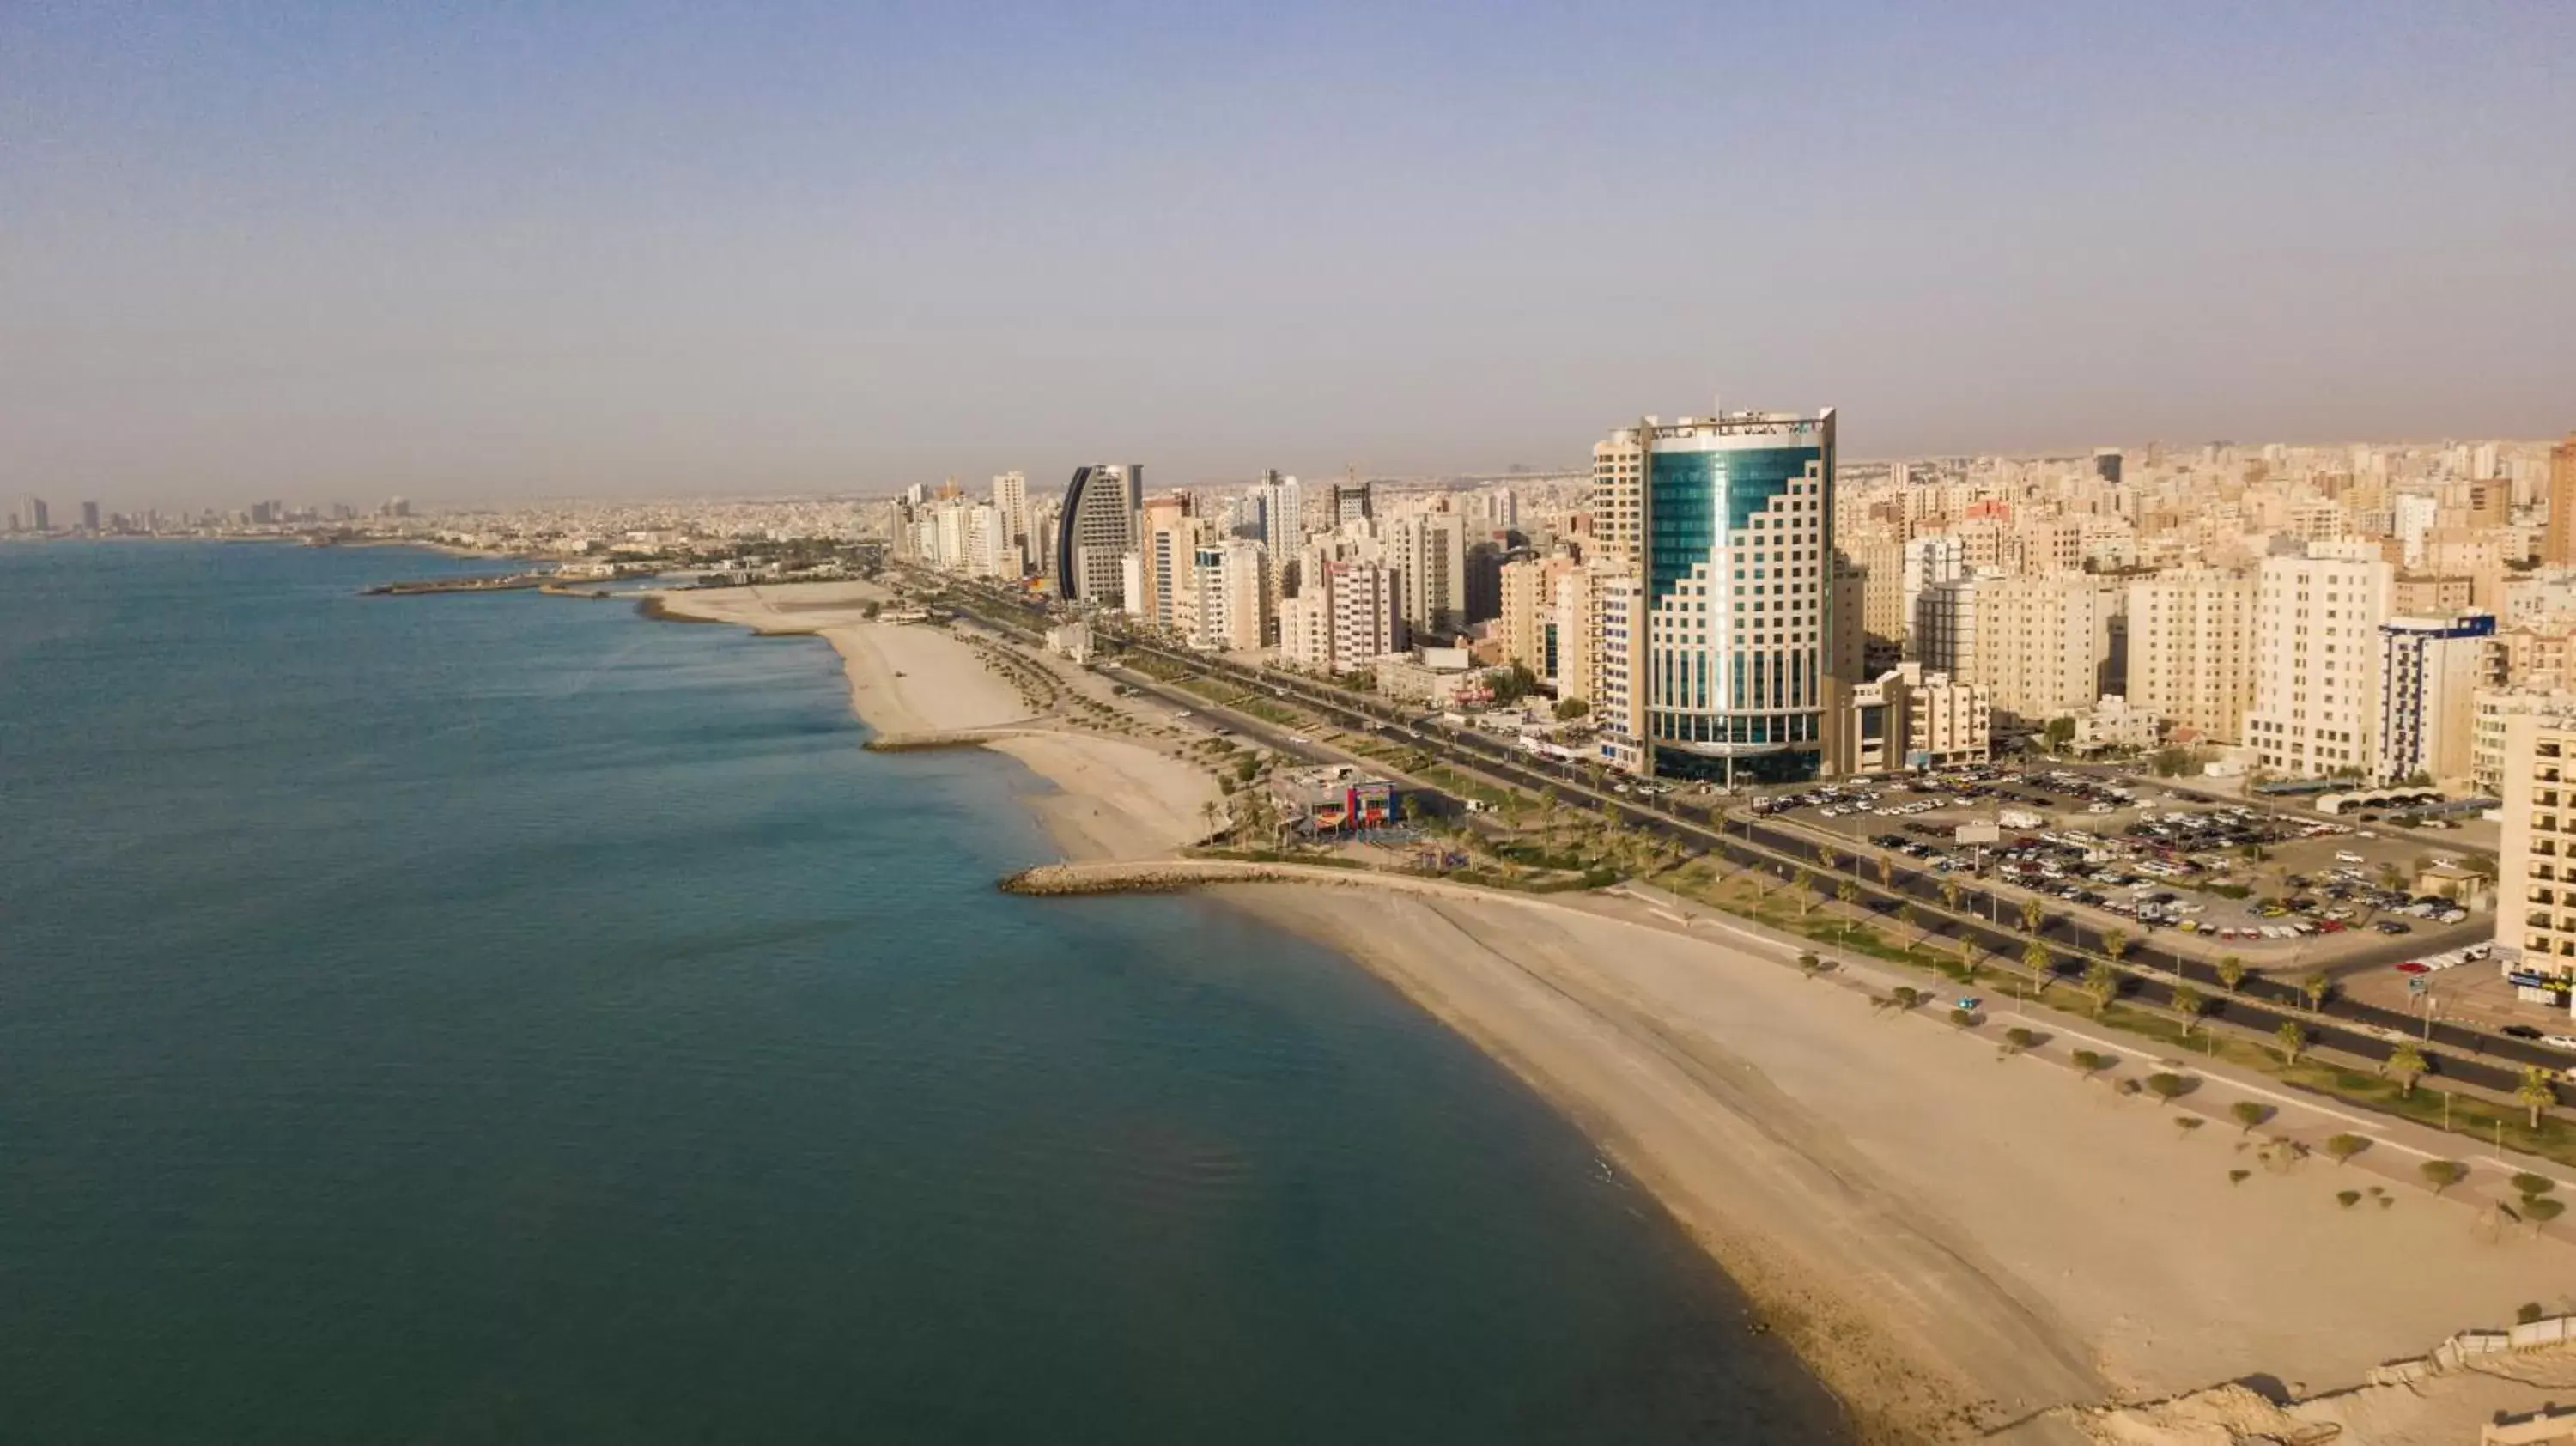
(1098, 530)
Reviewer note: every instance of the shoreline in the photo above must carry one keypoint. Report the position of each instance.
(1957, 1246)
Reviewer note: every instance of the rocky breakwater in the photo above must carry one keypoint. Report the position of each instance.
(1162, 876)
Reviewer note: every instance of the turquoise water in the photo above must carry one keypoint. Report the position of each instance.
(507, 1019)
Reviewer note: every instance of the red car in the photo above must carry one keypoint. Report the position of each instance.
(2413, 967)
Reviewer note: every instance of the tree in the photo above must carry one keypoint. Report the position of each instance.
(2442, 1174)
(1827, 860)
(2034, 957)
(2343, 1147)
(1963, 1018)
(1886, 871)
(1569, 709)
(2188, 1003)
(2060, 732)
(2290, 1039)
(2231, 972)
(2541, 1209)
(2315, 988)
(1811, 965)
(2115, 944)
(2407, 1063)
(2101, 985)
(1950, 895)
(1806, 890)
(2092, 1063)
(1849, 893)
(2020, 1038)
(2167, 1087)
(2030, 917)
(2248, 1114)
(2534, 1092)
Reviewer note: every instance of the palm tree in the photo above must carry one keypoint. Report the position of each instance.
(1826, 860)
(1886, 872)
(2407, 1063)
(2101, 985)
(2534, 1091)
(2115, 944)
(1807, 891)
(2231, 972)
(1950, 895)
(1849, 893)
(2034, 957)
(2188, 1003)
(2314, 989)
(2030, 916)
(2291, 1039)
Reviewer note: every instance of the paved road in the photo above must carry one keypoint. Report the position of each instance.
(2365, 1031)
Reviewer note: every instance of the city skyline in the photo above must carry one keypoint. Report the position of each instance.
(592, 254)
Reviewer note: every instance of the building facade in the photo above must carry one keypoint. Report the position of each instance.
(2316, 660)
(2430, 671)
(1102, 506)
(2191, 650)
(1733, 557)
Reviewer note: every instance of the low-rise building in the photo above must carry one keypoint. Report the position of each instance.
(1907, 719)
(2112, 722)
(1331, 799)
(1432, 677)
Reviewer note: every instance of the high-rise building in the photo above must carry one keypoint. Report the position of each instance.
(2316, 659)
(2106, 464)
(1728, 671)
(1431, 550)
(1367, 623)
(38, 517)
(1011, 501)
(1945, 627)
(2191, 650)
(89, 518)
(2430, 671)
(1927, 561)
(1353, 502)
(1099, 528)
(1281, 504)
(2536, 865)
(2042, 644)
(2558, 543)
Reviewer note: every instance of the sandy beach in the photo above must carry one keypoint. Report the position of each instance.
(1948, 1236)
(1963, 1245)
(1099, 797)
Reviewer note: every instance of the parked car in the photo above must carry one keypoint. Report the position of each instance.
(2521, 1031)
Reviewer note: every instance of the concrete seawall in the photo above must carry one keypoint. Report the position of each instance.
(1164, 876)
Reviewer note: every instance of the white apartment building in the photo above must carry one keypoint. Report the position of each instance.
(2316, 659)
(2042, 643)
(1011, 500)
(2430, 671)
(1430, 550)
(1368, 613)
(2191, 650)
(1306, 629)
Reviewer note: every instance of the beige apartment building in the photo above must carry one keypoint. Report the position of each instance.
(2042, 643)
(2536, 884)
(2191, 650)
(2316, 659)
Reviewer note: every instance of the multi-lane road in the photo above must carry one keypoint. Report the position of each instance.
(1988, 915)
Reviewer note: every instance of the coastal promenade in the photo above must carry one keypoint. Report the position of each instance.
(1967, 1239)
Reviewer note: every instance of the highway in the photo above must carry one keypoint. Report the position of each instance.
(2456, 1051)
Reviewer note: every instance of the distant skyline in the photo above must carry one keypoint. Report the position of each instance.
(319, 252)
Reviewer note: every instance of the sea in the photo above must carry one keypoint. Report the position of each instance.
(507, 1018)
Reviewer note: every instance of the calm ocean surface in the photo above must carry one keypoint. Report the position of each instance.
(505, 1019)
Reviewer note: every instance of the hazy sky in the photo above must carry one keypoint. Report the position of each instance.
(457, 250)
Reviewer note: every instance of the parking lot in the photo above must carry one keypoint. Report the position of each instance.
(2232, 876)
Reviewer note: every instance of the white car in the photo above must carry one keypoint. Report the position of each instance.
(2347, 856)
(2561, 1041)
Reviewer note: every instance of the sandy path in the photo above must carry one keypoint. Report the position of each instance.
(1935, 1225)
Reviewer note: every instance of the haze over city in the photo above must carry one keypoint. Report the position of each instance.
(324, 251)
